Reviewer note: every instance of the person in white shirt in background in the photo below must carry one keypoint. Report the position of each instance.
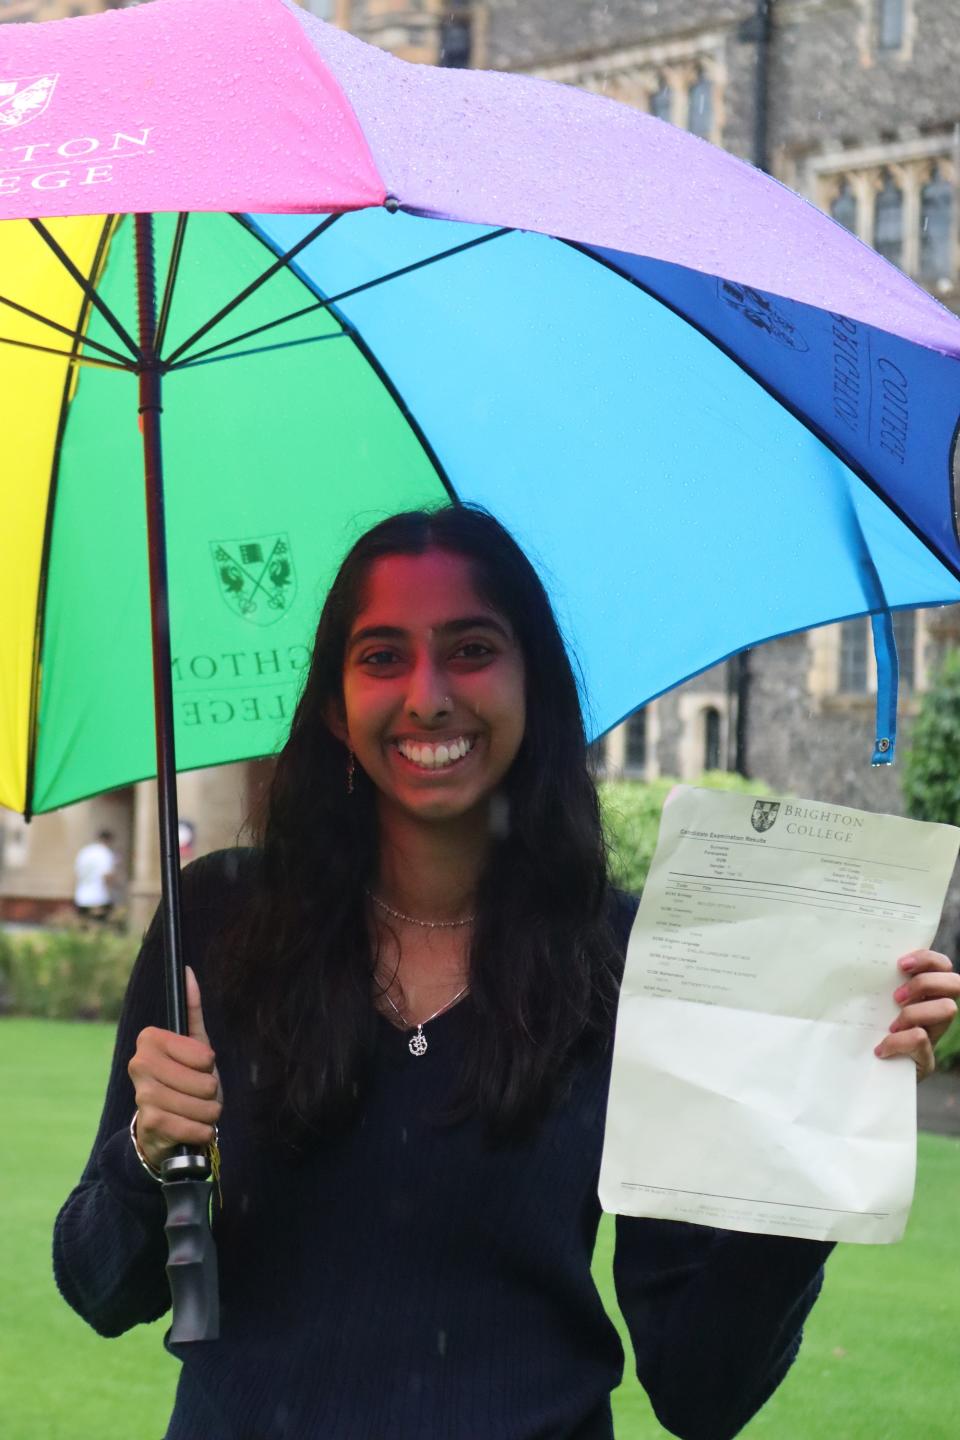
(94, 868)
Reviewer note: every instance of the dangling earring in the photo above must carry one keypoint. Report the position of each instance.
(351, 766)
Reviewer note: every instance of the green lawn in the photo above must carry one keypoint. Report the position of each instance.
(879, 1361)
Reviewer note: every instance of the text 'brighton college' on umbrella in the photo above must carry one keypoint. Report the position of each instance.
(302, 284)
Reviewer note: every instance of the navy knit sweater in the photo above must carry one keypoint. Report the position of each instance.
(409, 1281)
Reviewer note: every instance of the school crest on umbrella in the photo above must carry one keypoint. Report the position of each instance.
(23, 100)
(255, 576)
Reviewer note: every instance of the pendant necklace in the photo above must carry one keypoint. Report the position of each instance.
(417, 1044)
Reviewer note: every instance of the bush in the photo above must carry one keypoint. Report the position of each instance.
(948, 1051)
(65, 974)
(631, 814)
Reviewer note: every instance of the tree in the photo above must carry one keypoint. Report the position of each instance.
(931, 776)
(631, 819)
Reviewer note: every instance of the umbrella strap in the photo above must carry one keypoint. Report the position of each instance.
(888, 678)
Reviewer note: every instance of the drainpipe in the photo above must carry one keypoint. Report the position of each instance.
(760, 34)
(762, 27)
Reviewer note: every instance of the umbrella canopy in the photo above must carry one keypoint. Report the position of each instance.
(710, 414)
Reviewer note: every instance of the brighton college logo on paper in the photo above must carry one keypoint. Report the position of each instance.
(256, 576)
(23, 100)
(764, 814)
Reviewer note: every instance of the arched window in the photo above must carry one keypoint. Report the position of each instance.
(711, 739)
(844, 207)
(890, 23)
(853, 657)
(455, 36)
(888, 221)
(635, 758)
(700, 107)
(936, 228)
(661, 101)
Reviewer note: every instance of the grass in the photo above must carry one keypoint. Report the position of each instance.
(878, 1362)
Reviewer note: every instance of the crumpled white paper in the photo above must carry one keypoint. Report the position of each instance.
(745, 1093)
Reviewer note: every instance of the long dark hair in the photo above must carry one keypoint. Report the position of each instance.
(297, 972)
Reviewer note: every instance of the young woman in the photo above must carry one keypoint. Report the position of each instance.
(408, 995)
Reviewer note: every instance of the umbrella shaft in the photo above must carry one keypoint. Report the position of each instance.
(151, 407)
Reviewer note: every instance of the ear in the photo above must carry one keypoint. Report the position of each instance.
(336, 717)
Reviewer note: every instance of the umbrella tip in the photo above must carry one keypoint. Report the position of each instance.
(392, 204)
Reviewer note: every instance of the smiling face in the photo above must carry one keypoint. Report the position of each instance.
(433, 687)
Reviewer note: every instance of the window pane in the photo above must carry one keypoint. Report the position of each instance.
(636, 753)
(853, 657)
(711, 739)
(844, 208)
(888, 222)
(455, 43)
(890, 24)
(661, 102)
(700, 113)
(936, 229)
(905, 634)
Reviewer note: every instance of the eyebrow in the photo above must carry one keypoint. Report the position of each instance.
(449, 627)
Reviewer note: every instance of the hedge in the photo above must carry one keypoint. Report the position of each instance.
(65, 974)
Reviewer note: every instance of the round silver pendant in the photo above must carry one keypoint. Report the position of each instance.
(418, 1044)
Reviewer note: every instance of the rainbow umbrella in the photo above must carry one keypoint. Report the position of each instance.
(354, 285)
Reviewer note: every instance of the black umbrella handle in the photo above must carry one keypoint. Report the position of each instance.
(192, 1264)
(191, 1261)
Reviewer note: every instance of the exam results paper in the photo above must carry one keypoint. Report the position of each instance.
(760, 971)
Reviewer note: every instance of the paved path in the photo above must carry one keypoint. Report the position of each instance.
(938, 1103)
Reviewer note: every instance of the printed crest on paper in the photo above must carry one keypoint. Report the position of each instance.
(764, 814)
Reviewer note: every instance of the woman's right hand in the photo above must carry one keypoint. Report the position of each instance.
(177, 1087)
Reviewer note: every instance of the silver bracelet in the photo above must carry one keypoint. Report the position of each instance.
(150, 1169)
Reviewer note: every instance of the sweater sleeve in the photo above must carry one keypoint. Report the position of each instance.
(109, 1246)
(716, 1318)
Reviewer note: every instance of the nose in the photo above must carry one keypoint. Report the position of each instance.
(427, 700)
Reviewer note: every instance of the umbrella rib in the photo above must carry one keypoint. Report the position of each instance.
(247, 335)
(67, 355)
(175, 255)
(63, 330)
(385, 379)
(805, 420)
(206, 359)
(345, 294)
(279, 264)
(88, 288)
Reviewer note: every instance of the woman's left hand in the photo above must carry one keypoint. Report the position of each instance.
(928, 1002)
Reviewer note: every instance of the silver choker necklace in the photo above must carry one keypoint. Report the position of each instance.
(424, 924)
(417, 1044)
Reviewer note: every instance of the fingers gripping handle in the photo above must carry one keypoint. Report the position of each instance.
(191, 1262)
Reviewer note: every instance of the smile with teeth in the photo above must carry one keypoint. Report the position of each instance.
(435, 757)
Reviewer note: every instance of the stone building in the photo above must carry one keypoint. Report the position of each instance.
(861, 115)
(852, 102)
